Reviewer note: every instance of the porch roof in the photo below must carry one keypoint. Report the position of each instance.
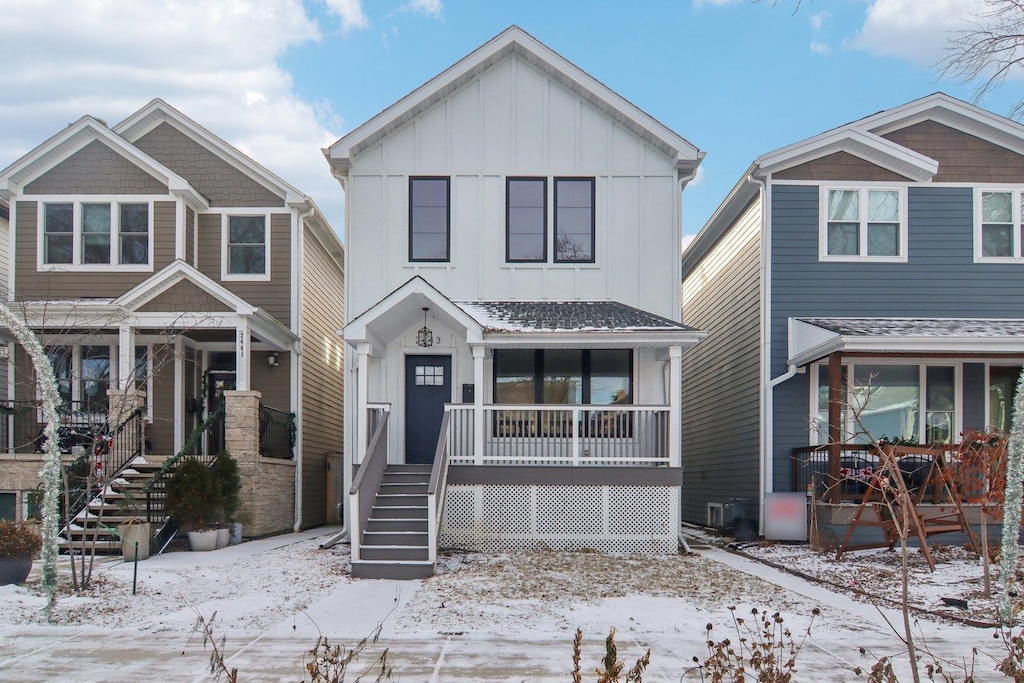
(813, 338)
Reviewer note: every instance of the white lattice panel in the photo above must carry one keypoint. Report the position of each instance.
(606, 518)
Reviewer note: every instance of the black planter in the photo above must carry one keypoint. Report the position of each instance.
(14, 569)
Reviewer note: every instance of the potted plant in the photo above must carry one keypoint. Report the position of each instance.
(190, 501)
(134, 530)
(227, 486)
(19, 543)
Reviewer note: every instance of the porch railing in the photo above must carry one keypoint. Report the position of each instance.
(583, 435)
(436, 489)
(21, 425)
(277, 433)
(367, 481)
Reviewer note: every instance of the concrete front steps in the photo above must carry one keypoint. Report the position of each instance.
(122, 498)
(395, 542)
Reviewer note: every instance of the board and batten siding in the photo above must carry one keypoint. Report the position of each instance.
(515, 120)
(323, 363)
(939, 279)
(721, 375)
(273, 296)
(31, 284)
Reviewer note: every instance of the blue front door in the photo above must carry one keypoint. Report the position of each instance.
(428, 386)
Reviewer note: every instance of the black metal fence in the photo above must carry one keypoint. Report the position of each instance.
(277, 433)
(22, 422)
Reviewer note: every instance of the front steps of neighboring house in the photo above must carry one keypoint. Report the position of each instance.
(394, 544)
(121, 498)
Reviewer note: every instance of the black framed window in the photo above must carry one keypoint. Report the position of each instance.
(526, 220)
(429, 219)
(247, 245)
(574, 220)
(563, 376)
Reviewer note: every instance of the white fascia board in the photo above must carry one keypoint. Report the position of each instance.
(339, 154)
(946, 109)
(173, 274)
(872, 148)
(721, 220)
(946, 344)
(323, 232)
(271, 331)
(158, 111)
(594, 340)
(808, 342)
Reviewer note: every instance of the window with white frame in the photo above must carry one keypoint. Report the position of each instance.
(863, 223)
(95, 234)
(997, 225)
(246, 246)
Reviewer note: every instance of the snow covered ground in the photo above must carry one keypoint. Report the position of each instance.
(508, 617)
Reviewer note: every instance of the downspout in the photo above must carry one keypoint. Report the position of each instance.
(297, 352)
(683, 180)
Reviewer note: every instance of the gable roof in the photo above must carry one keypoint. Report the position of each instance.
(72, 139)
(515, 40)
(157, 111)
(862, 138)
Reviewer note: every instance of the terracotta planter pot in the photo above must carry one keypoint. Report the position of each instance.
(14, 569)
(202, 541)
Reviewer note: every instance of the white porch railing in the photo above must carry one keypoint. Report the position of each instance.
(584, 435)
(437, 488)
(368, 477)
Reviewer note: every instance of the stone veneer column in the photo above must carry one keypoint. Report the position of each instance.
(268, 493)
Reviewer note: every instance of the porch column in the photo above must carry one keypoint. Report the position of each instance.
(125, 357)
(835, 427)
(675, 405)
(362, 386)
(243, 342)
(479, 353)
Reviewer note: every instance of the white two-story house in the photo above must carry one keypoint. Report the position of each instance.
(513, 238)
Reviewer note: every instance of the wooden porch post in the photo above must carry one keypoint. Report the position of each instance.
(835, 426)
(125, 357)
(478, 403)
(243, 344)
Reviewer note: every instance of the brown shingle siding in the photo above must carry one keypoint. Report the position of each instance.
(95, 169)
(962, 158)
(839, 166)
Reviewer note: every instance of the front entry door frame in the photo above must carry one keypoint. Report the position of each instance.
(428, 387)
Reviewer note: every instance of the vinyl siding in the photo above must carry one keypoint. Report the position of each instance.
(323, 391)
(721, 296)
(161, 431)
(219, 181)
(274, 384)
(95, 169)
(273, 296)
(32, 284)
(940, 279)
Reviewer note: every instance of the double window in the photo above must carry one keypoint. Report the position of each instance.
(246, 240)
(563, 376)
(863, 223)
(526, 220)
(997, 233)
(95, 233)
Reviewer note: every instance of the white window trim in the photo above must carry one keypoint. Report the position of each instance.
(922, 364)
(1015, 229)
(224, 224)
(115, 234)
(861, 257)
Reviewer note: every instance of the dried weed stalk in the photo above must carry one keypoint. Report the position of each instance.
(329, 663)
(611, 668)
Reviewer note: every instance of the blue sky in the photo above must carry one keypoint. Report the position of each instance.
(283, 78)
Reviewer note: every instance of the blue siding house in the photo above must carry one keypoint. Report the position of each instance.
(882, 261)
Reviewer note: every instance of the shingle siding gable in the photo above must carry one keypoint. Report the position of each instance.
(95, 169)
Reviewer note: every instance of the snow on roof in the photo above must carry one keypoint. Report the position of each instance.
(921, 327)
(565, 316)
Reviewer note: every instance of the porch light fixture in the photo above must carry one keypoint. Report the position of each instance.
(425, 337)
(272, 359)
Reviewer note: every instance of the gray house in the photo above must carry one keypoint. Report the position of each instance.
(883, 262)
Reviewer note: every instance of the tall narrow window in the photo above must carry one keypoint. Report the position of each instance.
(60, 359)
(58, 233)
(940, 404)
(429, 219)
(247, 245)
(134, 229)
(574, 220)
(526, 220)
(95, 378)
(95, 233)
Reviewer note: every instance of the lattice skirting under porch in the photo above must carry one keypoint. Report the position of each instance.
(625, 519)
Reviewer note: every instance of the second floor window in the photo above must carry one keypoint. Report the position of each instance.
(246, 253)
(526, 219)
(84, 233)
(429, 219)
(574, 220)
(863, 223)
(998, 225)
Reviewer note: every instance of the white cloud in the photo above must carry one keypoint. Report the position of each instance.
(819, 19)
(431, 8)
(697, 4)
(215, 60)
(350, 12)
(913, 29)
(819, 48)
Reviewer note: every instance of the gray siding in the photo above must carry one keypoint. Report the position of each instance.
(95, 169)
(219, 181)
(721, 296)
(940, 279)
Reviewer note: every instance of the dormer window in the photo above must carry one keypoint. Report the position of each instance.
(95, 234)
(863, 224)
